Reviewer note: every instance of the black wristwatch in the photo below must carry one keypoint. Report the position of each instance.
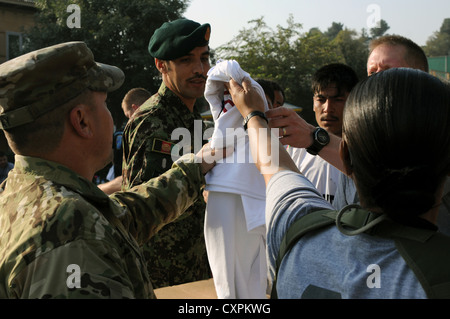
(320, 140)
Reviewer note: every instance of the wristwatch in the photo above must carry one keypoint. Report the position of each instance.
(320, 140)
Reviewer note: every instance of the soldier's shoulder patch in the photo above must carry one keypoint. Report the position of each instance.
(161, 146)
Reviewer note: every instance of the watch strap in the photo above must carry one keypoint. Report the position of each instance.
(316, 146)
(252, 114)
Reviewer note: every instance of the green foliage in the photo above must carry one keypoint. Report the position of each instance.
(285, 55)
(334, 30)
(354, 49)
(439, 43)
(380, 30)
(117, 32)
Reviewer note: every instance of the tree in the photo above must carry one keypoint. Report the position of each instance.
(117, 32)
(380, 30)
(334, 30)
(354, 49)
(285, 55)
(439, 43)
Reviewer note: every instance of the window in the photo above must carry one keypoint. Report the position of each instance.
(13, 45)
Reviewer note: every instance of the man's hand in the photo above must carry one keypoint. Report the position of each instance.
(245, 97)
(207, 157)
(294, 130)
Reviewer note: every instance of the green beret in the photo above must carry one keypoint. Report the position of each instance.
(38, 82)
(177, 38)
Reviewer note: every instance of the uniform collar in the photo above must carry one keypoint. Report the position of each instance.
(59, 174)
(169, 94)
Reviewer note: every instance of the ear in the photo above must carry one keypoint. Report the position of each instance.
(80, 121)
(134, 106)
(345, 157)
(161, 65)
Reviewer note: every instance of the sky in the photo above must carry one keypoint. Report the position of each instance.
(414, 19)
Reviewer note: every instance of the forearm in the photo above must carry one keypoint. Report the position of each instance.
(296, 132)
(331, 153)
(269, 154)
(161, 200)
(111, 186)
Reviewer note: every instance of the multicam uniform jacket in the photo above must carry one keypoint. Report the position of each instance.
(62, 237)
(177, 254)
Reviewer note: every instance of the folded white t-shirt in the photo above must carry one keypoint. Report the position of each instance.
(237, 173)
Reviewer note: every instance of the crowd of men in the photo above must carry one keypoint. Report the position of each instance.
(147, 229)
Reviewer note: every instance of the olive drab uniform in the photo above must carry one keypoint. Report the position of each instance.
(62, 237)
(177, 254)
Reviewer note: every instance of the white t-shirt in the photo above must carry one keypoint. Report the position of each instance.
(322, 174)
(237, 173)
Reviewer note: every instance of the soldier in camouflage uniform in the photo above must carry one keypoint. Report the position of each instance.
(61, 236)
(177, 254)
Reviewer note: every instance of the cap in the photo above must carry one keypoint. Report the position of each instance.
(177, 38)
(40, 81)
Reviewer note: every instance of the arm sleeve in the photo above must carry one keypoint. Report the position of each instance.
(161, 200)
(289, 196)
(146, 150)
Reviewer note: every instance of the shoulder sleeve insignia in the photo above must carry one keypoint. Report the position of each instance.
(161, 146)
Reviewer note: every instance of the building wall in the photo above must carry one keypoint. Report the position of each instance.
(440, 66)
(14, 17)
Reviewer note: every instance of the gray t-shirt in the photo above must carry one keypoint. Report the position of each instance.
(326, 263)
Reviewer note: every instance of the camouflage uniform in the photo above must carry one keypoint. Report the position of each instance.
(61, 236)
(177, 254)
(52, 218)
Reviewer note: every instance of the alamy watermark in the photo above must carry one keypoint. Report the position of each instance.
(74, 19)
(74, 276)
(374, 19)
(374, 280)
(236, 138)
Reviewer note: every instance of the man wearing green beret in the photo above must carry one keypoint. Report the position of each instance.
(177, 254)
(60, 235)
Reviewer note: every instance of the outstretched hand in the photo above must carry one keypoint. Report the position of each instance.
(207, 157)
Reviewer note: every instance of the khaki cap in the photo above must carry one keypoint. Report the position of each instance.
(40, 81)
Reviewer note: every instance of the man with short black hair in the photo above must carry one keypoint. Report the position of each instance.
(330, 86)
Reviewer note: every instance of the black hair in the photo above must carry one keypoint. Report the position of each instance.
(269, 88)
(397, 130)
(341, 75)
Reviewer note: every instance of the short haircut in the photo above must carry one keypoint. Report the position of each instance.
(136, 96)
(44, 134)
(386, 119)
(341, 75)
(270, 87)
(415, 56)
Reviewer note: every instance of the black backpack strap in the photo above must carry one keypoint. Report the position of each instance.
(350, 216)
(425, 251)
(430, 261)
(297, 229)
